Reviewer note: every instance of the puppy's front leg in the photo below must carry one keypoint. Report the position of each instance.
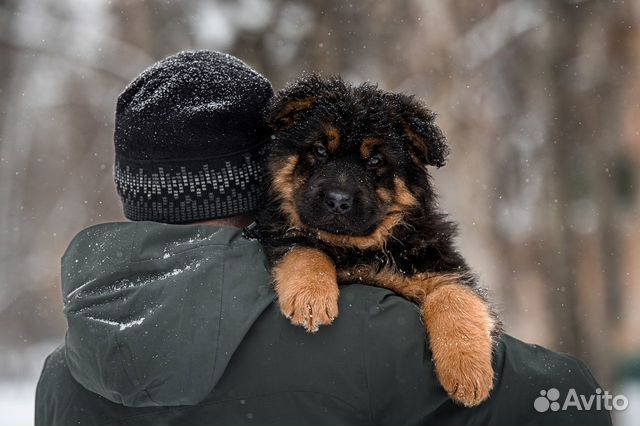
(307, 287)
(460, 326)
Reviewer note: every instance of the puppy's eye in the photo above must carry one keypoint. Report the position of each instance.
(320, 151)
(374, 161)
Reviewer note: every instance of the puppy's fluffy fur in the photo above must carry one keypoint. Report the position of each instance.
(349, 199)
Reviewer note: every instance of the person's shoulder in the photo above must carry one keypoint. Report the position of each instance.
(401, 382)
(376, 301)
(54, 368)
(401, 375)
(392, 325)
(55, 388)
(389, 320)
(61, 400)
(544, 365)
(532, 384)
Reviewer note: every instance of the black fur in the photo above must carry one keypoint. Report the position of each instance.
(424, 241)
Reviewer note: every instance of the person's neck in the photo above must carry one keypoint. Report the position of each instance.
(235, 221)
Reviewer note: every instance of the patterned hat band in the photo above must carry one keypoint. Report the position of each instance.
(189, 191)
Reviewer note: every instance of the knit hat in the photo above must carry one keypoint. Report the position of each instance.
(187, 139)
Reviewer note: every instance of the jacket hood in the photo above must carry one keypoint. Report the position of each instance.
(156, 311)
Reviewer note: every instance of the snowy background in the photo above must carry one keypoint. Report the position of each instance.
(539, 100)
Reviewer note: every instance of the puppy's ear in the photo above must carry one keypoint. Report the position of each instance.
(290, 104)
(427, 144)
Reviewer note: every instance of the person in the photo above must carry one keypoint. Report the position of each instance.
(171, 317)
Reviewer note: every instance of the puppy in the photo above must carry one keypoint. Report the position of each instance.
(349, 199)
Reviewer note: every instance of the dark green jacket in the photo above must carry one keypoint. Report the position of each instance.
(175, 324)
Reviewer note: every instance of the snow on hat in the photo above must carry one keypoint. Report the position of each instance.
(187, 139)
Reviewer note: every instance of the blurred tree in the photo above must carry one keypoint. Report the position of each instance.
(586, 78)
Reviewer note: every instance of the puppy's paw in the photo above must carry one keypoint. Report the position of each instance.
(307, 287)
(310, 304)
(467, 377)
(460, 325)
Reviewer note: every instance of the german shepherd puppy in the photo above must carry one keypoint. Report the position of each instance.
(349, 199)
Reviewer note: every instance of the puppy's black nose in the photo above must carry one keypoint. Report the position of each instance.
(338, 201)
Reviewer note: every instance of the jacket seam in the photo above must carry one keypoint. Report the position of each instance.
(115, 335)
(39, 390)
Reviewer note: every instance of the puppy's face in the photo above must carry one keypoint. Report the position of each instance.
(349, 162)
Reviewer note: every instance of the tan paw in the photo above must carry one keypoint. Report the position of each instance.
(460, 325)
(307, 287)
(466, 377)
(310, 305)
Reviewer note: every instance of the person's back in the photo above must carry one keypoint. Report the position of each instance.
(174, 324)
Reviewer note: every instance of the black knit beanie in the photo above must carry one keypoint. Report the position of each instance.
(187, 139)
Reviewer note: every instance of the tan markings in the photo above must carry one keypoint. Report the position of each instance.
(460, 326)
(413, 287)
(414, 137)
(402, 203)
(333, 135)
(286, 115)
(367, 146)
(307, 288)
(283, 185)
(416, 140)
(403, 196)
(384, 195)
